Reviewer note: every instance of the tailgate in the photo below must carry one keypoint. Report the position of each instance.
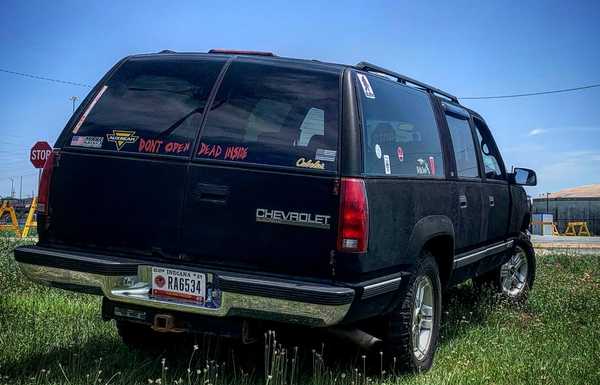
(119, 183)
(262, 187)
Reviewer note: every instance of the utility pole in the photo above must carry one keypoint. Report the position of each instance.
(21, 188)
(74, 99)
(547, 203)
(12, 187)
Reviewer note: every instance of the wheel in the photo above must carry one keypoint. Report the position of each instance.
(414, 326)
(514, 278)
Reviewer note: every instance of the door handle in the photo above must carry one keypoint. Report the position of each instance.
(210, 193)
(492, 202)
(462, 200)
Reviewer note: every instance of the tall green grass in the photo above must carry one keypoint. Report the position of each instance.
(49, 336)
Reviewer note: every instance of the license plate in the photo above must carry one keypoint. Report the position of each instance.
(189, 286)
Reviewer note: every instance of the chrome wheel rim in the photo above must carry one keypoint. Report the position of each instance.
(513, 274)
(422, 320)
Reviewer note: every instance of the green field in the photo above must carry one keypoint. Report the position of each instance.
(49, 336)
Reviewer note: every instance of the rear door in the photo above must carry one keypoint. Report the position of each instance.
(468, 186)
(495, 195)
(119, 183)
(262, 184)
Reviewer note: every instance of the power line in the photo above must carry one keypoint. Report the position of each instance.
(464, 97)
(45, 78)
(532, 93)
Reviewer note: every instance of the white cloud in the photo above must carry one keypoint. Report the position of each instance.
(537, 131)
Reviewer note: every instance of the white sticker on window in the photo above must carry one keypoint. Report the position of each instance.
(386, 163)
(366, 86)
(378, 151)
(325, 155)
(87, 110)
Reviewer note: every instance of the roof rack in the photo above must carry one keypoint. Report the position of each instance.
(365, 66)
(240, 52)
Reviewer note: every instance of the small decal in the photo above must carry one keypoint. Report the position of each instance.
(210, 150)
(303, 162)
(432, 165)
(159, 280)
(386, 163)
(293, 218)
(378, 151)
(120, 138)
(87, 110)
(230, 153)
(366, 86)
(87, 141)
(325, 155)
(422, 167)
(155, 146)
(400, 153)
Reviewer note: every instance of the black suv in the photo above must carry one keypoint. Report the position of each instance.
(217, 192)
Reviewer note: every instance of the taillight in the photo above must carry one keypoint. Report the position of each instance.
(44, 188)
(353, 225)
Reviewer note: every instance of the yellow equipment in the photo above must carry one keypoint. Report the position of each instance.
(30, 222)
(572, 228)
(14, 225)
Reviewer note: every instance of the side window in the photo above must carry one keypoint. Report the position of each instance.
(462, 141)
(400, 134)
(274, 115)
(489, 152)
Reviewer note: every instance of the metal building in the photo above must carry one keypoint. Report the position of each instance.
(578, 204)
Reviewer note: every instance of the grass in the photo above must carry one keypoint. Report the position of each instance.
(49, 336)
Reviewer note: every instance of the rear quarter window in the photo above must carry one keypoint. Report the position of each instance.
(150, 105)
(400, 134)
(281, 115)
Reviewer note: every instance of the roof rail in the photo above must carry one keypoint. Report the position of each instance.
(365, 66)
(167, 51)
(240, 52)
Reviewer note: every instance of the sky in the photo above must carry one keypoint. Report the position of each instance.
(468, 48)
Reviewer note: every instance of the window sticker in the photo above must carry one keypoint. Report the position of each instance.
(121, 137)
(366, 86)
(422, 167)
(378, 151)
(386, 163)
(87, 110)
(432, 165)
(87, 141)
(309, 163)
(325, 155)
(400, 153)
(216, 150)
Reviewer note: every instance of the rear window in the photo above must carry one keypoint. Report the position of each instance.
(279, 115)
(400, 134)
(148, 106)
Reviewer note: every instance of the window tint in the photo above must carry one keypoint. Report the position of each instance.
(464, 146)
(489, 152)
(149, 105)
(275, 115)
(400, 132)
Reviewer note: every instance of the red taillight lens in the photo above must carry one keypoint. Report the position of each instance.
(353, 233)
(44, 188)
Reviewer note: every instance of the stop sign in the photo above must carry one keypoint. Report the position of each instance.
(39, 153)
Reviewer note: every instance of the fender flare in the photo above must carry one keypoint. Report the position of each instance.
(426, 229)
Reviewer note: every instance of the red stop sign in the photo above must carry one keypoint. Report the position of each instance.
(39, 153)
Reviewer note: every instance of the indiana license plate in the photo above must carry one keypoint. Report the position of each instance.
(184, 285)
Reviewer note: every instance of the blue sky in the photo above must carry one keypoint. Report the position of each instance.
(467, 48)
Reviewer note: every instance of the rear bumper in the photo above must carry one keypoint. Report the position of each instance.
(129, 281)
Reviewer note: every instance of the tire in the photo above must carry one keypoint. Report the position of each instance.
(514, 279)
(401, 342)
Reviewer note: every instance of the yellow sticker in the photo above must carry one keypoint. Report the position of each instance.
(121, 138)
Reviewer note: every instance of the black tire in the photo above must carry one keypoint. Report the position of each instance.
(398, 342)
(496, 279)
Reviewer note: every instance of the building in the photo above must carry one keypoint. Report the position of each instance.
(578, 204)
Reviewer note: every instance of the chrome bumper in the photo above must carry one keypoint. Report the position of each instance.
(294, 304)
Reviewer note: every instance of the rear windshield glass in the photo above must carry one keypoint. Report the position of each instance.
(401, 137)
(148, 106)
(276, 115)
